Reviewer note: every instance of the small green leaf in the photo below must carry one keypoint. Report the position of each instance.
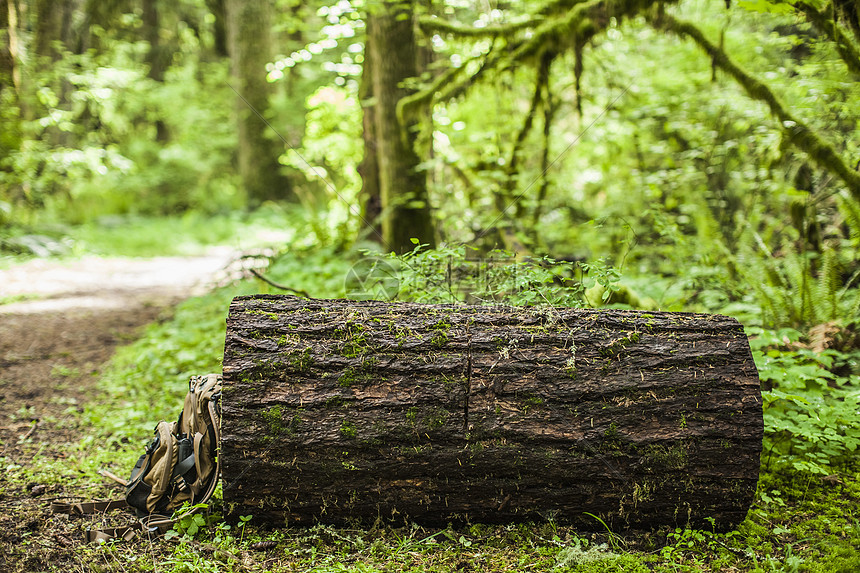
(765, 7)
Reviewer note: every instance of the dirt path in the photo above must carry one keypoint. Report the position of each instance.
(64, 322)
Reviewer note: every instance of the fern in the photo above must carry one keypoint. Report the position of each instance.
(798, 288)
(850, 210)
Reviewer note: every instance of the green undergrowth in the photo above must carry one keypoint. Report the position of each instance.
(811, 402)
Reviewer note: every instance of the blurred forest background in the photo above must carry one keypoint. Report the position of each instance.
(687, 155)
(706, 150)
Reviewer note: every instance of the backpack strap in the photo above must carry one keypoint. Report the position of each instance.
(126, 533)
(150, 524)
(184, 466)
(104, 535)
(87, 507)
(216, 427)
(154, 524)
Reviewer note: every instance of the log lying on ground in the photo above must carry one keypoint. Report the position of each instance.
(341, 410)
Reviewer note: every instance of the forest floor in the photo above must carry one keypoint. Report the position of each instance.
(61, 322)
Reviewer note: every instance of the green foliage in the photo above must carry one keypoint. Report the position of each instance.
(812, 414)
(328, 159)
(800, 288)
(664, 186)
(136, 236)
(321, 272)
(104, 159)
(464, 274)
(190, 520)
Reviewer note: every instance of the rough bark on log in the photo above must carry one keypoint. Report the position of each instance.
(339, 410)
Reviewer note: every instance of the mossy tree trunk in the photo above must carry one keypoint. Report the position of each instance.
(219, 27)
(158, 56)
(249, 42)
(56, 29)
(405, 206)
(8, 34)
(370, 197)
(342, 410)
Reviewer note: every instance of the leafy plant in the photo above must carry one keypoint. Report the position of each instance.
(191, 518)
(800, 287)
(812, 415)
(463, 274)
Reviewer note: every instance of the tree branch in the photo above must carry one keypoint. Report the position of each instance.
(270, 282)
(406, 105)
(549, 108)
(799, 134)
(444, 87)
(537, 97)
(436, 25)
(581, 23)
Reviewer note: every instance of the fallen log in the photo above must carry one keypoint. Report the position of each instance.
(335, 411)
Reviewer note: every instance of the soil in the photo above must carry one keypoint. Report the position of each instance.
(61, 324)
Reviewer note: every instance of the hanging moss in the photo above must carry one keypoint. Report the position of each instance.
(578, 67)
(580, 23)
(407, 106)
(846, 48)
(560, 26)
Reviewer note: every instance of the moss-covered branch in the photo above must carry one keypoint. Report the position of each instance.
(799, 134)
(549, 108)
(556, 31)
(844, 45)
(456, 89)
(407, 105)
(512, 170)
(446, 86)
(577, 26)
(561, 26)
(436, 25)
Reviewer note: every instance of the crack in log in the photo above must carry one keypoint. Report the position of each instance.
(468, 389)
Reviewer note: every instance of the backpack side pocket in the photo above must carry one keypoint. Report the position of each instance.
(153, 479)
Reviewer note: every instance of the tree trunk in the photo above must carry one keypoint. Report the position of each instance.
(49, 28)
(343, 410)
(55, 31)
(9, 75)
(7, 63)
(403, 188)
(219, 28)
(249, 41)
(370, 198)
(10, 81)
(158, 57)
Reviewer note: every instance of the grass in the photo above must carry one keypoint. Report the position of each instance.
(810, 526)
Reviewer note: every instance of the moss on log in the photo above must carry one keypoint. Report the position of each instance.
(338, 410)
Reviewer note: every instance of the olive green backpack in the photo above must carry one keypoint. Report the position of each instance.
(179, 465)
